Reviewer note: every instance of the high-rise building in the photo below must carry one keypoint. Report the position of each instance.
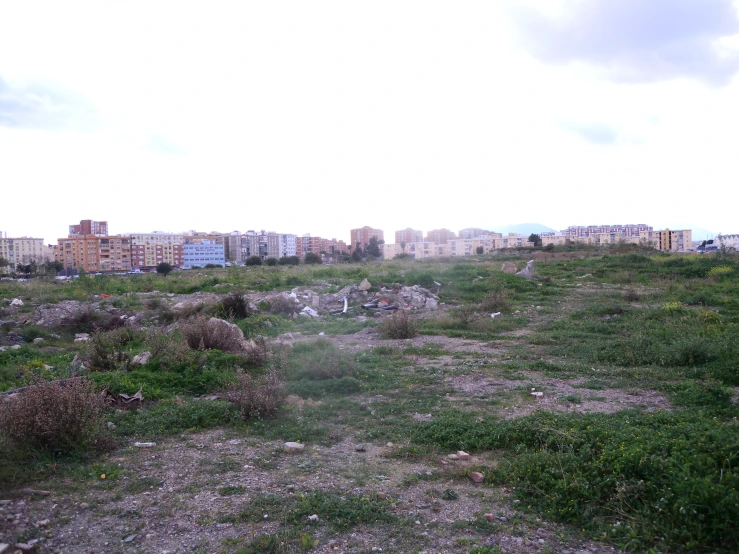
(148, 250)
(408, 235)
(89, 227)
(363, 236)
(203, 253)
(440, 236)
(472, 233)
(23, 250)
(95, 254)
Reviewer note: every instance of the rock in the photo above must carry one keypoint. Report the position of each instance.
(142, 358)
(130, 538)
(16, 302)
(15, 347)
(77, 361)
(432, 304)
(5, 502)
(477, 477)
(528, 271)
(3, 348)
(4, 546)
(360, 448)
(453, 457)
(365, 285)
(42, 523)
(145, 444)
(81, 337)
(84, 505)
(38, 340)
(510, 268)
(381, 496)
(309, 312)
(294, 447)
(23, 547)
(462, 455)
(313, 517)
(489, 517)
(111, 425)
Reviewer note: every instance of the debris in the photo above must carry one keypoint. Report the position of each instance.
(123, 401)
(16, 302)
(111, 425)
(106, 296)
(432, 304)
(313, 517)
(15, 347)
(142, 358)
(294, 447)
(477, 477)
(537, 394)
(528, 271)
(437, 284)
(496, 314)
(308, 311)
(144, 444)
(365, 285)
(81, 337)
(130, 538)
(509, 267)
(585, 276)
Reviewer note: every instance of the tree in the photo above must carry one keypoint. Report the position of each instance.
(402, 245)
(373, 248)
(271, 261)
(164, 268)
(53, 267)
(289, 260)
(254, 260)
(479, 250)
(4, 263)
(536, 239)
(313, 258)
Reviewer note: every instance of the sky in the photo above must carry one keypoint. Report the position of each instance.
(319, 117)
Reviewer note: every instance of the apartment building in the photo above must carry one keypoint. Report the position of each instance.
(333, 246)
(24, 250)
(363, 236)
(666, 240)
(628, 230)
(203, 253)
(472, 233)
(307, 244)
(268, 244)
(95, 254)
(89, 227)
(408, 235)
(148, 250)
(440, 236)
(669, 240)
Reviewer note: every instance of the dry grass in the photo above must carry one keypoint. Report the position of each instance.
(56, 416)
(169, 348)
(217, 334)
(106, 350)
(281, 304)
(261, 396)
(496, 301)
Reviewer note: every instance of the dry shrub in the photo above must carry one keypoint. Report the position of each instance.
(496, 301)
(400, 326)
(209, 334)
(56, 416)
(89, 321)
(167, 347)
(234, 306)
(281, 304)
(260, 396)
(106, 350)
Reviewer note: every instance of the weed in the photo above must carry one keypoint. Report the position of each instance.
(258, 397)
(399, 326)
(234, 306)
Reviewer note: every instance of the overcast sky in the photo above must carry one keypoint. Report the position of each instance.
(317, 117)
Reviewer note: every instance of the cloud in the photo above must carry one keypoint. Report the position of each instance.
(597, 133)
(637, 40)
(40, 107)
(164, 145)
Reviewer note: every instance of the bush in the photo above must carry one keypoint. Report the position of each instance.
(630, 295)
(106, 350)
(54, 416)
(254, 260)
(209, 334)
(313, 258)
(258, 397)
(289, 260)
(271, 262)
(170, 349)
(234, 306)
(281, 304)
(89, 321)
(496, 301)
(399, 326)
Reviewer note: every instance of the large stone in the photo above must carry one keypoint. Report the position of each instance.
(142, 358)
(510, 268)
(477, 477)
(365, 285)
(528, 271)
(81, 337)
(38, 340)
(432, 304)
(294, 447)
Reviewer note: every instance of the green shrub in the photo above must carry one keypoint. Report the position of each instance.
(233, 306)
(320, 361)
(109, 350)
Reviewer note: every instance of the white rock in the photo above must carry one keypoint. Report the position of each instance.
(38, 340)
(537, 394)
(432, 304)
(294, 447)
(142, 358)
(16, 302)
(309, 312)
(314, 517)
(81, 337)
(15, 347)
(145, 444)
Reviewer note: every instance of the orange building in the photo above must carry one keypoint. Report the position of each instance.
(363, 236)
(94, 254)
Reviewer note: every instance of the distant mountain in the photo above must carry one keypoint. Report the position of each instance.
(523, 229)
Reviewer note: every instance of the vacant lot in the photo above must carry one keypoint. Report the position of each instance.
(598, 408)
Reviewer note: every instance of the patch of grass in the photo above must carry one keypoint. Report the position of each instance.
(170, 417)
(319, 360)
